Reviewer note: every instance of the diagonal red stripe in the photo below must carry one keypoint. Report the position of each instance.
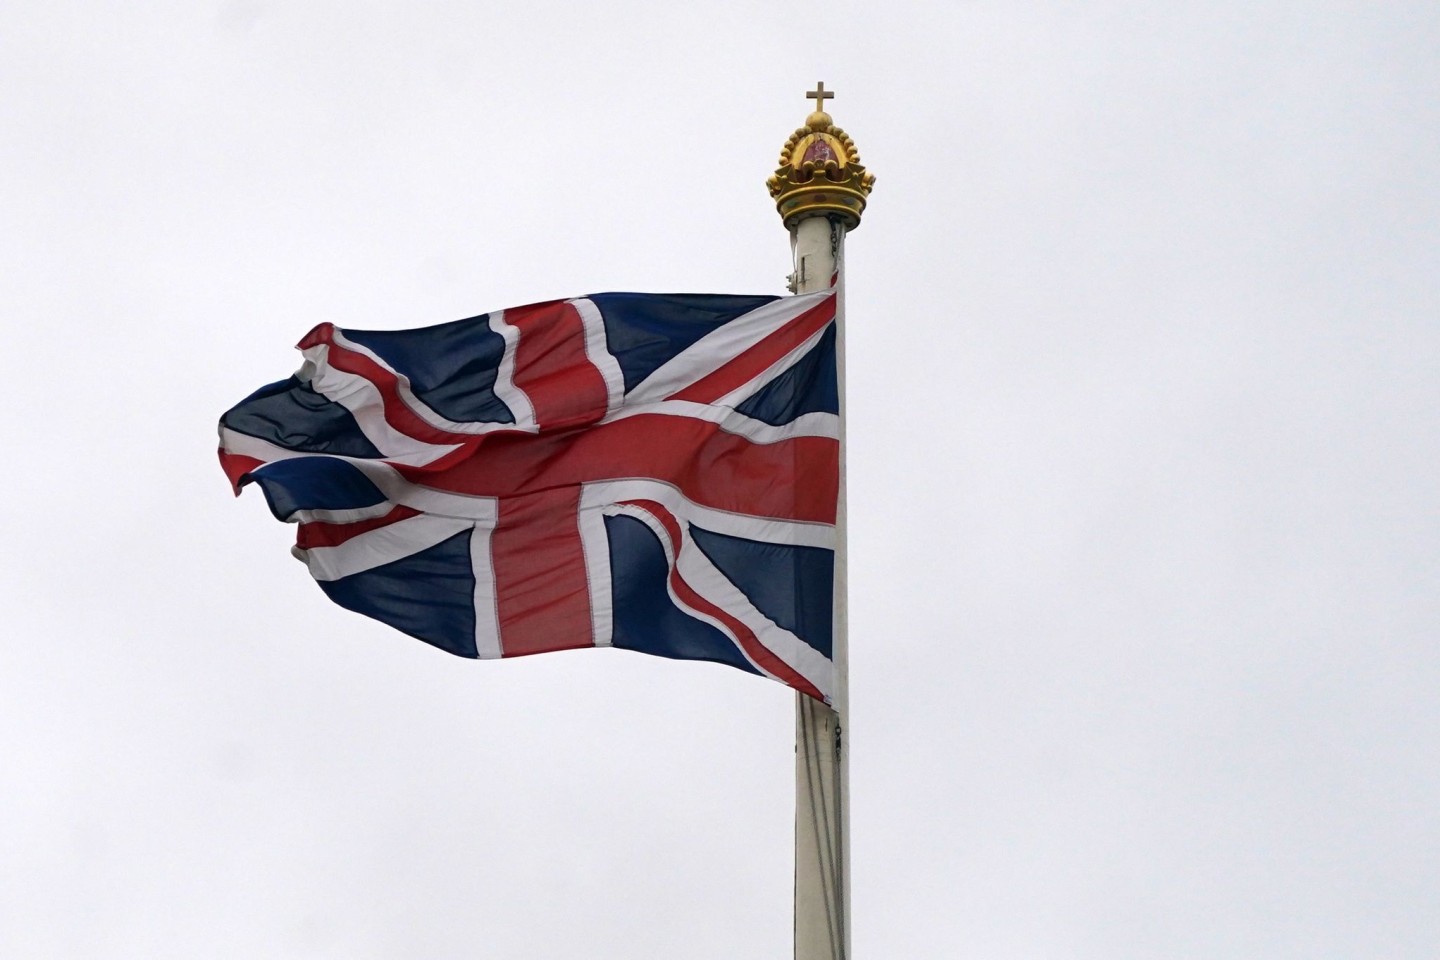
(758, 653)
(396, 411)
(759, 358)
(333, 534)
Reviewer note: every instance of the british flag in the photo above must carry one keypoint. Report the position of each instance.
(652, 472)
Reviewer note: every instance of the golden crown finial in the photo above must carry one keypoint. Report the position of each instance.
(820, 173)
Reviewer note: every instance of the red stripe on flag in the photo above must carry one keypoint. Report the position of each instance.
(759, 358)
(552, 368)
(236, 465)
(541, 589)
(320, 333)
(333, 534)
(794, 479)
(394, 409)
(758, 653)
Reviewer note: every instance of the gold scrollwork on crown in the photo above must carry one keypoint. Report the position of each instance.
(820, 174)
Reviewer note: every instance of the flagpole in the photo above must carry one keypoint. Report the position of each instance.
(820, 191)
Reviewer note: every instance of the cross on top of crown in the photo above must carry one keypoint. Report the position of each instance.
(820, 95)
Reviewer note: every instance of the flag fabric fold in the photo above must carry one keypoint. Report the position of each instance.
(651, 472)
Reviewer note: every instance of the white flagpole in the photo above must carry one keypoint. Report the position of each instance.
(822, 782)
(820, 190)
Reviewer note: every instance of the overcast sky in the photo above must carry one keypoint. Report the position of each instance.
(1145, 426)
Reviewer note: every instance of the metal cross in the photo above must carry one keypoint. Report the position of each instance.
(820, 95)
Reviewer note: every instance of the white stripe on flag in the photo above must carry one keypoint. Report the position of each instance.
(720, 346)
(595, 544)
(705, 579)
(395, 487)
(422, 409)
(375, 548)
(597, 350)
(362, 398)
(815, 424)
(512, 396)
(744, 392)
(487, 613)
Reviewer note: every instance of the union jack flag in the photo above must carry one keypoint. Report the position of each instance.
(652, 472)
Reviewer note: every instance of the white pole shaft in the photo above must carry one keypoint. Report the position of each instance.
(822, 782)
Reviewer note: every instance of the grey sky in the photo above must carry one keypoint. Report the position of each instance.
(1144, 330)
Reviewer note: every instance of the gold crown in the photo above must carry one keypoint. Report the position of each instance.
(820, 173)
